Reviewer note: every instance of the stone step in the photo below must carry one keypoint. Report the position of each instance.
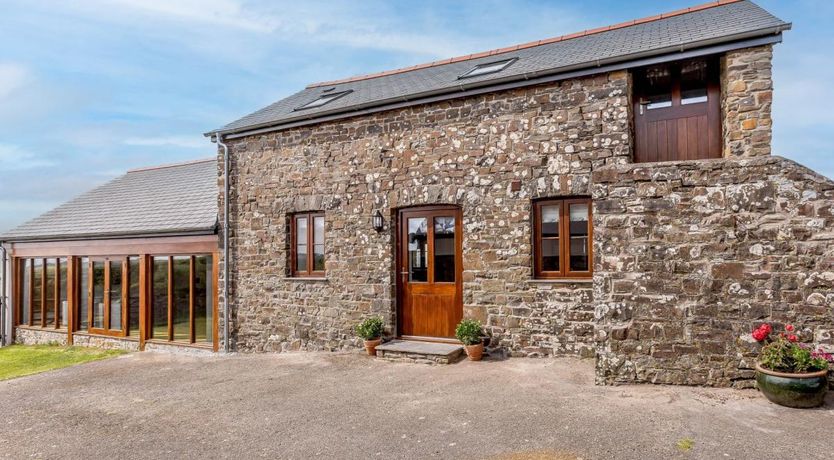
(420, 352)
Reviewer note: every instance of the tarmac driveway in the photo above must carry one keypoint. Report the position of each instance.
(152, 405)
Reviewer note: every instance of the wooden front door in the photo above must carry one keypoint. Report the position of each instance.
(677, 113)
(429, 266)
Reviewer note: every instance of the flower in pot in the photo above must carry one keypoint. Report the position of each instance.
(371, 331)
(470, 333)
(790, 373)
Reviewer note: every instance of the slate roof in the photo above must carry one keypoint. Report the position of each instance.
(709, 24)
(173, 199)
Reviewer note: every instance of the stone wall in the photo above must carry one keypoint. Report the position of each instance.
(468, 152)
(27, 336)
(690, 257)
(747, 89)
(33, 336)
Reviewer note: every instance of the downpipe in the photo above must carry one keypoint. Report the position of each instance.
(4, 304)
(226, 188)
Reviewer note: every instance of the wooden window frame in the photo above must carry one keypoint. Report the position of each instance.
(564, 239)
(144, 249)
(19, 264)
(147, 325)
(309, 272)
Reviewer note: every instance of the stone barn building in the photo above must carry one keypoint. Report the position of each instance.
(608, 194)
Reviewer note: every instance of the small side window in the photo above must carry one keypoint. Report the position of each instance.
(562, 238)
(307, 244)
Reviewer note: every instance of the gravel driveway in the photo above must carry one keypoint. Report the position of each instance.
(153, 405)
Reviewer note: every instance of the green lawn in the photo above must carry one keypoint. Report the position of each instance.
(20, 360)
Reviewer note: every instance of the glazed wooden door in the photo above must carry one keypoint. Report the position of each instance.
(429, 264)
(107, 295)
(677, 114)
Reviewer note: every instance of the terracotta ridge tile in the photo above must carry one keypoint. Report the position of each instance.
(633, 22)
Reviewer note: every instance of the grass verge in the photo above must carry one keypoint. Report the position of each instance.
(20, 360)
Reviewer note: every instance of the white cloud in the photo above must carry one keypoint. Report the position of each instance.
(192, 142)
(228, 13)
(14, 158)
(12, 78)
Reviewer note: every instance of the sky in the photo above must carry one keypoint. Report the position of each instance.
(92, 88)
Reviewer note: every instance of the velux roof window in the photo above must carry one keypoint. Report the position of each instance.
(488, 68)
(323, 99)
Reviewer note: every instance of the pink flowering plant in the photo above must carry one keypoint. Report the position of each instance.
(784, 354)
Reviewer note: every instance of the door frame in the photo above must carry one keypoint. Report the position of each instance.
(710, 137)
(401, 271)
(106, 291)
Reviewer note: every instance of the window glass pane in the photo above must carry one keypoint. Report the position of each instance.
(301, 244)
(658, 87)
(203, 299)
(318, 243)
(444, 249)
(694, 82)
(550, 221)
(483, 69)
(417, 248)
(62, 299)
(182, 293)
(83, 296)
(550, 255)
(159, 310)
(133, 297)
(24, 295)
(115, 295)
(37, 290)
(98, 294)
(579, 237)
(50, 292)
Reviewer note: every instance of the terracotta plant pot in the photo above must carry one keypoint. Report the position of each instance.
(793, 390)
(475, 352)
(370, 346)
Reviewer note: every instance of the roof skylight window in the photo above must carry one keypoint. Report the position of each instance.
(488, 68)
(322, 100)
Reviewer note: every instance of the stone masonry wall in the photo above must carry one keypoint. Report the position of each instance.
(692, 256)
(466, 152)
(747, 89)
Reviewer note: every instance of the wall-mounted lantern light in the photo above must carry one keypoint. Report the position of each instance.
(379, 221)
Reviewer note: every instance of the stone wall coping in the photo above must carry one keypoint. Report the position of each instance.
(562, 281)
(609, 173)
(305, 278)
(87, 334)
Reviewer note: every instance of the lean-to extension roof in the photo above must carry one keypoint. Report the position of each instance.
(708, 25)
(157, 201)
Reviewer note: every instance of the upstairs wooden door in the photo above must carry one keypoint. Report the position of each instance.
(429, 266)
(677, 112)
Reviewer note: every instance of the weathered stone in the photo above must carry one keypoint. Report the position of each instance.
(746, 106)
(770, 263)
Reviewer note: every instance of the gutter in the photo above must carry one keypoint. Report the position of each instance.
(112, 236)
(219, 139)
(758, 37)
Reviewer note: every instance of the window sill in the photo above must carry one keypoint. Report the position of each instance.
(174, 343)
(38, 328)
(305, 278)
(562, 281)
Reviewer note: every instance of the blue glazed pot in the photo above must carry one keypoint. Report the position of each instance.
(793, 390)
